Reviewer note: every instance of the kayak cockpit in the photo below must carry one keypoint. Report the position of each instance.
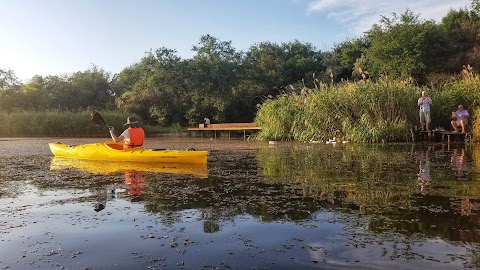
(114, 145)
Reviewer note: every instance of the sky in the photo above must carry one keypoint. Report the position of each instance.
(55, 37)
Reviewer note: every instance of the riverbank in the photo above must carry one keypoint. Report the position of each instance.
(73, 124)
(363, 111)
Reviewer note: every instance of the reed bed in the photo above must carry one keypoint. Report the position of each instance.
(364, 111)
(57, 123)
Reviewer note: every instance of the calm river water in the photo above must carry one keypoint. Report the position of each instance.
(253, 206)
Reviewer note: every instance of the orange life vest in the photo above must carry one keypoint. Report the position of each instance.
(137, 136)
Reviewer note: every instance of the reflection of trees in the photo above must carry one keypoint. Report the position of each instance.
(295, 182)
(98, 186)
(424, 177)
(431, 216)
(459, 163)
(13, 174)
(381, 181)
(234, 188)
(10, 188)
(210, 226)
(363, 174)
(223, 198)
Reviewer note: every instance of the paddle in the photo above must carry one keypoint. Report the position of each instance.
(97, 118)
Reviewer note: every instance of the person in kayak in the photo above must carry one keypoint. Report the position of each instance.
(132, 137)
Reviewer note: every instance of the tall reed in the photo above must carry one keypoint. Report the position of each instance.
(364, 111)
(57, 123)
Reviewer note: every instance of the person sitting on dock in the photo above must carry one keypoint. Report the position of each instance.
(206, 121)
(132, 137)
(460, 119)
(424, 103)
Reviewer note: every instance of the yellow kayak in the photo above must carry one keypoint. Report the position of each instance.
(113, 151)
(107, 167)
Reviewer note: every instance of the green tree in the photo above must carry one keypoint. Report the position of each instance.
(155, 88)
(403, 46)
(10, 95)
(80, 90)
(213, 73)
(273, 67)
(349, 52)
(333, 68)
(90, 88)
(47, 92)
(463, 39)
(126, 79)
(8, 80)
(476, 5)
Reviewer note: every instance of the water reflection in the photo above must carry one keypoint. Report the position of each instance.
(108, 167)
(424, 172)
(365, 206)
(459, 163)
(414, 191)
(376, 181)
(135, 182)
(134, 175)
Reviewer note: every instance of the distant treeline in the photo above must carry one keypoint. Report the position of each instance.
(56, 123)
(228, 85)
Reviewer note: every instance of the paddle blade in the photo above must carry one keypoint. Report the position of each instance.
(97, 118)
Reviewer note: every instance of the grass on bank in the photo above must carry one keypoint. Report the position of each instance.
(66, 124)
(364, 111)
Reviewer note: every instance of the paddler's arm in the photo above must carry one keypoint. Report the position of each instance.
(115, 138)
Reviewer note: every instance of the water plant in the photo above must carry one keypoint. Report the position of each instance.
(176, 128)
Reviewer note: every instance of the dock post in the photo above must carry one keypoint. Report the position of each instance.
(244, 136)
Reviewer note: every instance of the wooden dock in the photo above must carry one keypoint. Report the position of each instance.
(227, 127)
(440, 135)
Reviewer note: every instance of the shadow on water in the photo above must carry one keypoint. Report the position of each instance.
(395, 206)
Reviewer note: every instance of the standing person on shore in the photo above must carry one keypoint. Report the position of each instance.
(460, 119)
(424, 103)
(131, 137)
